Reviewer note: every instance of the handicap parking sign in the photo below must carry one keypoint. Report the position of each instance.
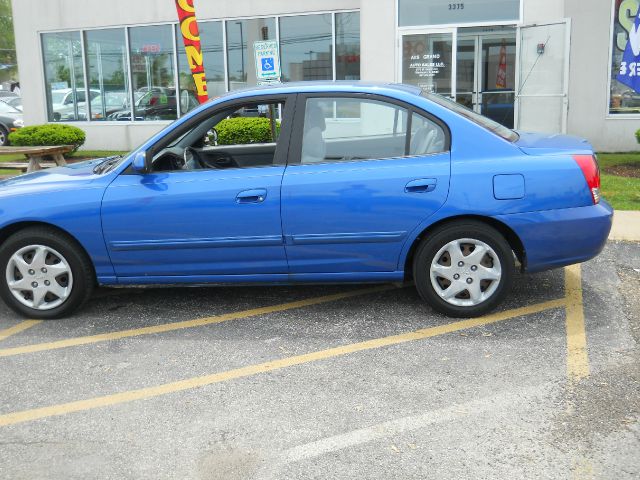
(267, 57)
(268, 64)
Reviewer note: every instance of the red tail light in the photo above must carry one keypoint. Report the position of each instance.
(589, 166)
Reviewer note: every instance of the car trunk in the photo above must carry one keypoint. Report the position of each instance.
(547, 144)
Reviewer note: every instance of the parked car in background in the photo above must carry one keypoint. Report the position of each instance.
(7, 94)
(10, 121)
(62, 103)
(15, 102)
(154, 103)
(109, 102)
(414, 186)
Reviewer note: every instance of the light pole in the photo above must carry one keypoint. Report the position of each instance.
(241, 50)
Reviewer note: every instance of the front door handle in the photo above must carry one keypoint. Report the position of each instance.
(421, 185)
(256, 195)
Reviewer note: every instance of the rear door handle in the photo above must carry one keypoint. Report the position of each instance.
(421, 185)
(256, 195)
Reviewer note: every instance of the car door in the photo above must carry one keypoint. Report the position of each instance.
(184, 225)
(364, 171)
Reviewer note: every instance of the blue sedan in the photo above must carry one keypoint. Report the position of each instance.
(308, 183)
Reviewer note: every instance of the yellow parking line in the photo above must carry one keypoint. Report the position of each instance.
(167, 327)
(167, 388)
(21, 327)
(577, 354)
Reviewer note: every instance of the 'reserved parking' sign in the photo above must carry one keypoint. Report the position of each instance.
(267, 58)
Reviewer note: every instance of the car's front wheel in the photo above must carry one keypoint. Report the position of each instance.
(46, 274)
(464, 269)
(4, 137)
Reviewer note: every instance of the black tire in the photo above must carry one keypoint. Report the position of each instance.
(437, 240)
(4, 136)
(83, 277)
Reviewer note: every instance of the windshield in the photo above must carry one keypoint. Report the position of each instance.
(481, 120)
(57, 97)
(6, 108)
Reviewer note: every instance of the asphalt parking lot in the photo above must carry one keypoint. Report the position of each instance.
(317, 382)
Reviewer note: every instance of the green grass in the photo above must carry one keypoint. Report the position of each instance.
(623, 193)
(610, 159)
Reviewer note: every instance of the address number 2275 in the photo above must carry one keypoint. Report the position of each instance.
(456, 6)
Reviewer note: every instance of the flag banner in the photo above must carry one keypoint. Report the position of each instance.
(501, 77)
(192, 46)
(630, 65)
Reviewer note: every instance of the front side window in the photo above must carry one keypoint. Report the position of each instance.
(244, 136)
(374, 129)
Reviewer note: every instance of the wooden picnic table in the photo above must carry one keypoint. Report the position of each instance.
(35, 157)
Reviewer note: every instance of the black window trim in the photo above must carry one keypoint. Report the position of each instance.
(295, 142)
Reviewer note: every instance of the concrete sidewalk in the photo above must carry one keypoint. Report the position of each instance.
(626, 226)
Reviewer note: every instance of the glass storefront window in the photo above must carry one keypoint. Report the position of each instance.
(240, 37)
(625, 65)
(146, 75)
(305, 47)
(107, 73)
(152, 51)
(213, 59)
(415, 13)
(64, 77)
(348, 46)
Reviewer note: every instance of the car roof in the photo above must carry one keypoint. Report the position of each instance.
(328, 86)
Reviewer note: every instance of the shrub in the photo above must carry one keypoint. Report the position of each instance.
(638, 136)
(243, 130)
(48, 135)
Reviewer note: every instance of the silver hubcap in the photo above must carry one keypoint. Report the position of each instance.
(3, 138)
(39, 277)
(465, 272)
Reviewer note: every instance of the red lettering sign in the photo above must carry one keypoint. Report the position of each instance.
(193, 49)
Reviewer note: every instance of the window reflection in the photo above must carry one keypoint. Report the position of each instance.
(213, 59)
(348, 46)
(152, 51)
(240, 37)
(107, 72)
(64, 76)
(305, 47)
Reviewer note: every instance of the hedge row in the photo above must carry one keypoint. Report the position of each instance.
(47, 135)
(243, 130)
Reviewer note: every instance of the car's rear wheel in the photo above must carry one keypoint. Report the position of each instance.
(464, 269)
(46, 274)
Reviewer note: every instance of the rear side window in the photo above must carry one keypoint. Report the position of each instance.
(341, 129)
(476, 118)
(344, 129)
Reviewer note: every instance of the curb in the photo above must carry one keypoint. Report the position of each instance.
(626, 226)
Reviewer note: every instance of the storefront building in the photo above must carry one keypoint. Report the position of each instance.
(119, 70)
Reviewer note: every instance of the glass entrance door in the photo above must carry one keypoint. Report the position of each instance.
(427, 61)
(476, 66)
(485, 78)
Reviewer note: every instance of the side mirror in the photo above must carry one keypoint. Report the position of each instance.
(139, 164)
(211, 137)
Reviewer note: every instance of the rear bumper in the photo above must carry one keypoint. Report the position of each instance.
(555, 238)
